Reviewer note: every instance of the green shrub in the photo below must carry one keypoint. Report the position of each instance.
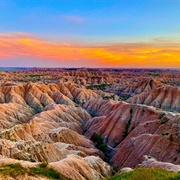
(154, 74)
(109, 97)
(122, 98)
(164, 121)
(98, 140)
(43, 165)
(103, 147)
(115, 170)
(165, 134)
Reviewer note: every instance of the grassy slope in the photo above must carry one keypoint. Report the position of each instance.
(15, 170)
(147, 174)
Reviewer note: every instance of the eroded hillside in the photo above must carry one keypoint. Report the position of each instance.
(56, 116)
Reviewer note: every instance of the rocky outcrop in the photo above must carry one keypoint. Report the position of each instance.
(73, 167)
(12, 114)
(170, 78)
(134, 131)
(58, 123)
(44, 123)
(39, 95)
(88, 168)
(167, 98)
(131, 89)
(150, 162)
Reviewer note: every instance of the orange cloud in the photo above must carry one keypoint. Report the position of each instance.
(122, 55)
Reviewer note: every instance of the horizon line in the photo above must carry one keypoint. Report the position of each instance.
(86, 67)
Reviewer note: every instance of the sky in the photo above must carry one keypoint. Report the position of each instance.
(90, 33)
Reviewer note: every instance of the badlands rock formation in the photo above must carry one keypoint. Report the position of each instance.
(169, 78)
(134, 131)
(131, 89)
(39, 95)
(167, 98)
(73, 167)
(44, 123)
(49, 115)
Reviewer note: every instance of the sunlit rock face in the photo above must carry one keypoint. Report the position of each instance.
(44, 123)
(55, 122)
(90, 167)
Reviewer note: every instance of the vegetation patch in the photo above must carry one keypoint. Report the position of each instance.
(98, 87)
(109, 97)
(164, 121)
(122, 98)
(14, 140)
(38, 75)
(128, 123)
(12, 170)
(154, 74)
(147, 174)
(98, 140)
(165, 134)
(161, 115)
(15, 170)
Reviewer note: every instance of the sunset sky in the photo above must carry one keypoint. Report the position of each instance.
(90, 33)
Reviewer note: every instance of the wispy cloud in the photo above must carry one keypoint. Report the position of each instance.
(73, 18)
(166, 40)
(22, 45)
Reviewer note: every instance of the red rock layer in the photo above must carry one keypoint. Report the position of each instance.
(135, 131)
(167, 98)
